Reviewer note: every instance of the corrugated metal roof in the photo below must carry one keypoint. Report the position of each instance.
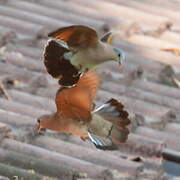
(146, 85)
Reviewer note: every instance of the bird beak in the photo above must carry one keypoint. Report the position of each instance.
(121, 57)
(38, 128)
(119, 62)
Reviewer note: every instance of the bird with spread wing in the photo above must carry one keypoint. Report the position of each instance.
(105, 126)
(73, 50)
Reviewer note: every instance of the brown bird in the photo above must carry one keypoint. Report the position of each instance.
(72, 50)
(105, 126)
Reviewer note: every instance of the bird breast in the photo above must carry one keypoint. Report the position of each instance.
(90, 58)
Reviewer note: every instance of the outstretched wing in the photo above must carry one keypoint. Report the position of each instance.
(91, 81)
(59, 67)
(76, 36)
(109, 125)
(77, 102)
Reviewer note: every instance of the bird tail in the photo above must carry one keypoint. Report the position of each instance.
(57, 65)
(109, 125)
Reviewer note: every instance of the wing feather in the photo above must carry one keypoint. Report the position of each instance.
(59, 67)
(109, 125)
(76, 36)
(77, 101)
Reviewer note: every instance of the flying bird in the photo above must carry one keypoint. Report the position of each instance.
(105, 126)
(73, 50)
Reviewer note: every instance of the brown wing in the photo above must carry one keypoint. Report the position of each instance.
(115, 113)
(77, 102)
(90, 80)
(107, 38)
(109, 125)
(59, 67)
(76, 36)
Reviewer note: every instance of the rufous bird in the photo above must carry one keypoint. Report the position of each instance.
(72, 50)
(105, 126)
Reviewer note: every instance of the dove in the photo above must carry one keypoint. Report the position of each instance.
(105, 126)
(73, 50)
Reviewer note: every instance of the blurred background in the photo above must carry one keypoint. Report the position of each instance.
(148, 84)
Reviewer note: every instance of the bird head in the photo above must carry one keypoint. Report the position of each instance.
(43, 122)
(120, 55)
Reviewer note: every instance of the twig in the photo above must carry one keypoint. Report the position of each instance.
(172, 50)
(3, 90)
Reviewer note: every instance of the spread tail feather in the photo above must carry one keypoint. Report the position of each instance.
(102, 143)
(109, 125)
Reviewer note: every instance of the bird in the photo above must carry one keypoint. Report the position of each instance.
(70, 51)
(105, 126)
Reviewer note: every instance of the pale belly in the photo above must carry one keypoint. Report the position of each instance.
(84, 63)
